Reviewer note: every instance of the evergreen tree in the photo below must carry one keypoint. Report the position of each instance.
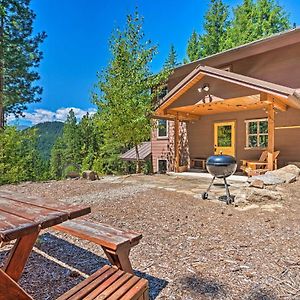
(89, 141)
(125, 103)
(216, 24)
(242, 29)
(57, 159)
(255, 20)
(71, 140)
(19, 56)
(271, 18)
(171, 61)
(19, 158)
(193, 48)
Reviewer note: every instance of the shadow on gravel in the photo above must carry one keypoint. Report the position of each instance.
(87, 261)
(261, 294)
(203, 286)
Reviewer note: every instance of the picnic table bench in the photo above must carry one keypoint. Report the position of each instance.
(22, 218)
(115, 243)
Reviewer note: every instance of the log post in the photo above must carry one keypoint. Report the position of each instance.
(176, 144)
(271, 135)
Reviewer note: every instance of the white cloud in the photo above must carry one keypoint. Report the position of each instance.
(43, 115)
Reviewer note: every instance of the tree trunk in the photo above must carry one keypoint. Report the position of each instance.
(2, 121)
(138, 162)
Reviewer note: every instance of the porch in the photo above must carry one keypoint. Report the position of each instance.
(215, 104)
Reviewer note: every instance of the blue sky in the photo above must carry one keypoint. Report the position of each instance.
(77, 43)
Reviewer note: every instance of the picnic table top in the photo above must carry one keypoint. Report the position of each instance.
(21, 215)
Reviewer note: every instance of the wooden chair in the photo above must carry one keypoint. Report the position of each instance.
(253, 168)
(263, 158)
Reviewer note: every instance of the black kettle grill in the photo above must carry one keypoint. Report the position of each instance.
(220, 166)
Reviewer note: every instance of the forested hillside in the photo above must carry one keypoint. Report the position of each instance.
(47, 134)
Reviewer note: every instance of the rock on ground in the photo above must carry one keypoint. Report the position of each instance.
(287, 174)
(257, 195)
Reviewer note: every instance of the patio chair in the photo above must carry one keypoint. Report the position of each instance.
(258, 167)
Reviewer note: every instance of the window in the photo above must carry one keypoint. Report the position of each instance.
(257, 133)
(163, 92)
(162, 128)
(162, 166)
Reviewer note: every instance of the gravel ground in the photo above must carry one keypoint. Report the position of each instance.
(191, 249)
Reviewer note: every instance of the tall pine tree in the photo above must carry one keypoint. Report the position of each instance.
(271, 18)
(19, 56)
(255, 20)
(125, 103)
(171, 61)
(216, 24)
(193, 48)
(242, 28)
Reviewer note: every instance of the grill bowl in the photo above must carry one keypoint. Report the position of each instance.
(221, 166)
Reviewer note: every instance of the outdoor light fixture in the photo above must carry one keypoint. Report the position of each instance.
(204, 88)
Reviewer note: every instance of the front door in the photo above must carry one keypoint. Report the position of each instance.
(224, 138)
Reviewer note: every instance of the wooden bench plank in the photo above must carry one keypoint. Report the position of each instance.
(73, 210)
(116, 243)
(13, 227)
(125, 288)
(136, 291)
(45, 217)
(110, 284)
(83, 288)
(99, 233)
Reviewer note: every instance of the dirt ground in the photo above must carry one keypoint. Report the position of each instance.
(191, 248)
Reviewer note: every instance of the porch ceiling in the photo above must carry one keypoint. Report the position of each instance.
(228, 92)
(220, 106)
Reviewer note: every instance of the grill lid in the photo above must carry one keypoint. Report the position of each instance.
(220, 160)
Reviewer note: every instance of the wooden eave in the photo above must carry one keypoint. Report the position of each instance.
(283, 96)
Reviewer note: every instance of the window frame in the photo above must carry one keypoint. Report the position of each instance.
(258, 134)
(162, 137)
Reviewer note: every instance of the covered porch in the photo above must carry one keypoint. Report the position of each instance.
(219, 101)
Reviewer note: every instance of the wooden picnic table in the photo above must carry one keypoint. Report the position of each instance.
(21, 219)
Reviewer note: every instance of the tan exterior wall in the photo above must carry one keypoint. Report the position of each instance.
(201, 135)
(281, 66)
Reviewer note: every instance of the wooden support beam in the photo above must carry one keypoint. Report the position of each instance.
(18, 256)
(183, 115)
(176, 144)
(271, 136)
(269, 99)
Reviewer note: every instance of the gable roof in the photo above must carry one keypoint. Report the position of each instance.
(289, 96)
(269, 43)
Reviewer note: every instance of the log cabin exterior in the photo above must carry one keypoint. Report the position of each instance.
(249, 95)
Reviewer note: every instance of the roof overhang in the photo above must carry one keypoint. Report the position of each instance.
(247, 91)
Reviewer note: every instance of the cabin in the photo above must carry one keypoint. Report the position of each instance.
(240, 102)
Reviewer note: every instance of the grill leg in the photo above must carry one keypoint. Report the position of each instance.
(229, 198)
(211, 183)
(205, 194)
